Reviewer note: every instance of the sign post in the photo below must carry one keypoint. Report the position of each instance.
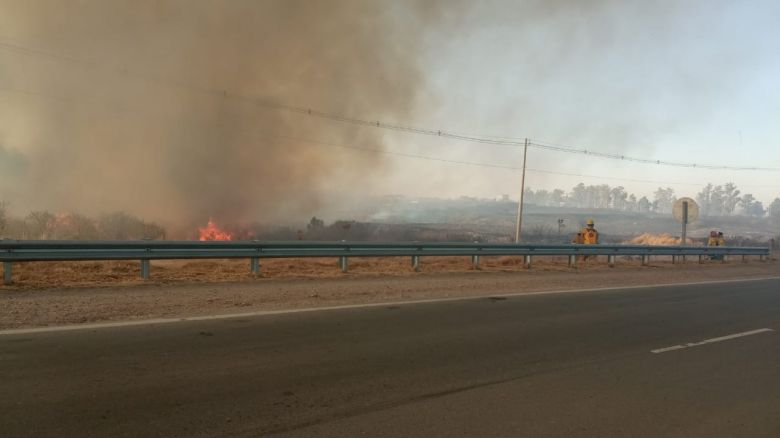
(685, 210)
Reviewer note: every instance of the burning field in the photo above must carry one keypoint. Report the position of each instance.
(212, 232)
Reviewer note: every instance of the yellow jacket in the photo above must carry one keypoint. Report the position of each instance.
(590, 236)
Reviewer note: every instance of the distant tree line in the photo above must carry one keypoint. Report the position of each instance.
(720, 200)
(726, 200)
(42, 225)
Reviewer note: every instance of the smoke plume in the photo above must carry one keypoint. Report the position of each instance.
(144, 106)
(152, 107)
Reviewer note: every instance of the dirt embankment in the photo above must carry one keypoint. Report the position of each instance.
(77, 293)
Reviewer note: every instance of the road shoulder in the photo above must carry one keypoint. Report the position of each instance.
(27, 308)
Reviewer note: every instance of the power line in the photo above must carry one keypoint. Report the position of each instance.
(67, 99)
(481, 164)
(650, 161)
(473, 138)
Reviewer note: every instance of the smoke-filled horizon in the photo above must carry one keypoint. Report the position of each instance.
(131, 130)
(116, 105)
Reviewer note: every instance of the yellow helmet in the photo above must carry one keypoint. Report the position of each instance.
(590, 222)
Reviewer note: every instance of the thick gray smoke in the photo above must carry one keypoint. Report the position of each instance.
(155, 123)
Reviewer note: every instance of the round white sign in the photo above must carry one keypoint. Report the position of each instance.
(693, 210)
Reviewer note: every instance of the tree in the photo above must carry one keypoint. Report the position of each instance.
(116, 226)
(123, 226)
(717, 201)
(619, 198)
(557, 197)
(751, 207)
(774, 209)
(664, 199)
(705, 199)
(631, 204)
(591, 197)
(603, 196)
(529, 197)
(643, 206)
(578, 196)
(731, 198)
(38, 225)
(757, 209)
(595, 196)
(542, 197)
(153, 231)
(73, 227)
(315, 224)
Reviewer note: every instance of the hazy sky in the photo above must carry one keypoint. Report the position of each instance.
(687, 81)
(678, 81)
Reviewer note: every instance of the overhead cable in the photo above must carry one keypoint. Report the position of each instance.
(409, 155)
(473, 138)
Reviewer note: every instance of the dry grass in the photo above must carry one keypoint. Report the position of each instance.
(665, 239)
(116, 273)
(77, 293)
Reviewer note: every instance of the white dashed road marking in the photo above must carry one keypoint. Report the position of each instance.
(710, 341)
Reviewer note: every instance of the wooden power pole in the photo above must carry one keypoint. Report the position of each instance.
(519, 226)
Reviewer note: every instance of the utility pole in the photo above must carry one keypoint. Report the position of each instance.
(522, 195)
(684, 237)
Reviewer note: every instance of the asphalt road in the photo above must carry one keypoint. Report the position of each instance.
(574, 364)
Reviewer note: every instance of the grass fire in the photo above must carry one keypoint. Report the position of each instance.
(212, 232)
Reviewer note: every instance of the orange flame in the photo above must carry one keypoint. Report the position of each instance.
(212, 232)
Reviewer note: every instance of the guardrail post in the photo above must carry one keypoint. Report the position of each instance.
(572, 261)
(611, 261)
(762, 258)
(145, 269)
(744, 258)
(701, 258)
(645, 260)
(527, 261)
(674, 259)
(416, 263)
(344, 264)
(7, 273)
(475, 262)
(254, 265)
(725, 258)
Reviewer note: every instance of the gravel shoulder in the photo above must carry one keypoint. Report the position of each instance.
(27, 305)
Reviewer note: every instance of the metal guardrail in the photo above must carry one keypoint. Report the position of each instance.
(63, 250)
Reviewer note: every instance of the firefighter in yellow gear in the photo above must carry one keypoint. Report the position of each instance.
(713, 240)
(590, 236)
(716, 239)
